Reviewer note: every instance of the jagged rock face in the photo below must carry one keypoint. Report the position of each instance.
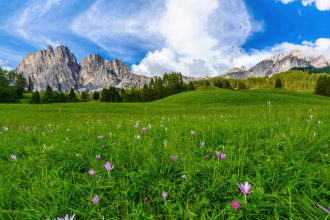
(97, 73)
(58, 68)
(280, 63)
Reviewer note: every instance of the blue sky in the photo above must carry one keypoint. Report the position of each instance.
(157, 36)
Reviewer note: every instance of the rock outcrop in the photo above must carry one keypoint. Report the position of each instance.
(279, 63)
(59, 68)
(56, 67)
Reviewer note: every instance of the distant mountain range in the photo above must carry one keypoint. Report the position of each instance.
(59, 68)
(280, 63)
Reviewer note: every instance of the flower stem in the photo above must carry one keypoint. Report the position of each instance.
(245, 200)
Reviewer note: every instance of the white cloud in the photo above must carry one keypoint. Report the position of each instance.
(200, 39)
(27, 23)
(322, 5)
(3, 65)
(287, 1)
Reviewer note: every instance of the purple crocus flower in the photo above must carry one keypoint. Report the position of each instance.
(144, 130)
(98, 156)
(96, 199)
(244, 188)
(164, 195)
(66, 217)
(146, 199)
(108, 166)
(13, 156)
(91, 172)
(218, 154)
(235, 205)
(223, 156)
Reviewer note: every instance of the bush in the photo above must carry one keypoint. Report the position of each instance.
(35, 99)
(96, 95)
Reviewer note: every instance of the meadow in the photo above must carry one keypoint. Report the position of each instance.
(165, 157)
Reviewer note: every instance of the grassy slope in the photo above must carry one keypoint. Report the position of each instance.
(277, 148)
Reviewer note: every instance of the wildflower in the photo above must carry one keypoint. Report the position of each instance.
(245, 189)
(108, 166)
(146, 199)
(137, 123)
(185, 177)
(174, 157)
(218, 154)
(13, 156)
(102, 146)
(165, 143)
(164, 195)
(192, 132)
(235, 205)
(327, 210)
(144, 130)
(91, 172)
(98, 156)
(100, 137)
(207, 156)
(96, 199)
(66, 217)
(203, 144)
(138, 137)
(110, 134)
(223, 156)
(319, 123)
(4, 128)
(166, 129)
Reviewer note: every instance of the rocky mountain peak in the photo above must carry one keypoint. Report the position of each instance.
(59, 68)
(281, 63)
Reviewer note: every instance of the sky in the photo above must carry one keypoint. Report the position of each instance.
(197, 38)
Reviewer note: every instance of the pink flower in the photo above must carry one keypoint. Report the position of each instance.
(146, 199)
(164, 195)
(98, 156)
(96, 199)
(223, 156)
(91, 172)
(235, 205)
(245, 188)
(13, 156)
(218, 154)
(144, 130)
(108, 166)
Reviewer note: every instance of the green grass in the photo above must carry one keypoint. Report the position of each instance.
(278, 148)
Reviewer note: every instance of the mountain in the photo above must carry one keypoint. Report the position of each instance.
(279, 63)
(59, 68)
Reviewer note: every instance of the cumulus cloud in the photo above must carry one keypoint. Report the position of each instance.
(3, 65)
(322, 5)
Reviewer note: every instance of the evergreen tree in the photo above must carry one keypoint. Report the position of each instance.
(48, 96)
(105, 95)
(21, 84)
(278, 82)
(72, 96)
(30, 87)
(84, 96)
(35, 98)
(323, 86)
(96, 95)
